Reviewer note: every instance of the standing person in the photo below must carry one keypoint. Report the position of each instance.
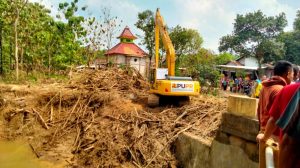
(256, 88)
(231, 83)
(285, 114)
(236, 83)
(241, 84)
(281, 102)
(283, 75)
(224, 83)
(289, 122)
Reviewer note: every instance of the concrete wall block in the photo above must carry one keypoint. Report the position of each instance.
(236, 141)
(222, 137)
(240, 126)
(229, 156)
(192, 152)
(252, 151)
(242, 105)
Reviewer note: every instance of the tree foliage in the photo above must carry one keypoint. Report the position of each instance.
(201, 66)
(32, 40)
(146, 23)
(291, 41)
(224, 58)
(297, 21)
(185, 41)
(255, 35)
(292, 46)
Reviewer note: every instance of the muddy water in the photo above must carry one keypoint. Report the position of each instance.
(20, 155)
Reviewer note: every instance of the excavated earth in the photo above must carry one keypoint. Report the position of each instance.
(99, 118)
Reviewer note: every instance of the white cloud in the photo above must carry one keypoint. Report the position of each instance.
(215, 18)
(274, 7)
(211, 18)
(123, 9)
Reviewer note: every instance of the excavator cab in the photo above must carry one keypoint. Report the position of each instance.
(165, 83)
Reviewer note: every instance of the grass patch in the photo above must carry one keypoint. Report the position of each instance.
(34, 77)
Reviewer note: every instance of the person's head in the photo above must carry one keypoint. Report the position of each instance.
(264, 77)
(296, 71)
(284, 69)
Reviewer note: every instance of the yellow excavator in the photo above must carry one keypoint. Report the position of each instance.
(164, 83)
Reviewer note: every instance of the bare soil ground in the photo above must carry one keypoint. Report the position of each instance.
(100, 119)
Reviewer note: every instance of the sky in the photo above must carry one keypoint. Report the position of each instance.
(213, 19)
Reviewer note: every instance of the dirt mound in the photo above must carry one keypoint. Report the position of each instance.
(100, 119)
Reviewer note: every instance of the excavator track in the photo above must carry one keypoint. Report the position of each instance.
(153, 100)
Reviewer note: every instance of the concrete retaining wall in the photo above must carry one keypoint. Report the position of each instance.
(234, 146)
(193, 152)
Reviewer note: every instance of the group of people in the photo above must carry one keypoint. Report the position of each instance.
(245, 86)
(278, 113)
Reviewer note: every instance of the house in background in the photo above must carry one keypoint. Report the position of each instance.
(249, 65)
(128, 53)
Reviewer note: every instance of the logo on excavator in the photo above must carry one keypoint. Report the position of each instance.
(182, 87)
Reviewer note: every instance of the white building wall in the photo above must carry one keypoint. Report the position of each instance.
(136, 62)
(139, 64)
(121, 59)
(242, 61)
(251, 62)
(143, 66)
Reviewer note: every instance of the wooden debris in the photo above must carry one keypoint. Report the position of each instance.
(34, 151)
(40, 119)
(104, 128)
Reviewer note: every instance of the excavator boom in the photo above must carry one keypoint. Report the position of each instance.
(160, 29)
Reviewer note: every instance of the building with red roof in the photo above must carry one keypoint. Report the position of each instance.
(126, 52)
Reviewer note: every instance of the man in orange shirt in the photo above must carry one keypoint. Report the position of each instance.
(283, 75)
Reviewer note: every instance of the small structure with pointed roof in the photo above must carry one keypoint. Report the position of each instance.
(126, 52)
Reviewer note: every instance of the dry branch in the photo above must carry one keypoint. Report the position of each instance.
(40, 119)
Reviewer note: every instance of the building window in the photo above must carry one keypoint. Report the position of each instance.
(135, 59)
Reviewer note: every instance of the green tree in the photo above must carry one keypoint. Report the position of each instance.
(3, 7)
(34, 36)
(147, 24)
(201, 66)
(185, 41)
(297, 21)
(255, 35)
(292, 42)
(30, 39)
(17, 6)
(292, 46)
(224, 58)
(72, 33)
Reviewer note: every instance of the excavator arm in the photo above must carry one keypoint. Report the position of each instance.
(161, 30)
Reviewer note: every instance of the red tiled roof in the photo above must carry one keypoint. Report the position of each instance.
(129, 49)
(127, 34)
